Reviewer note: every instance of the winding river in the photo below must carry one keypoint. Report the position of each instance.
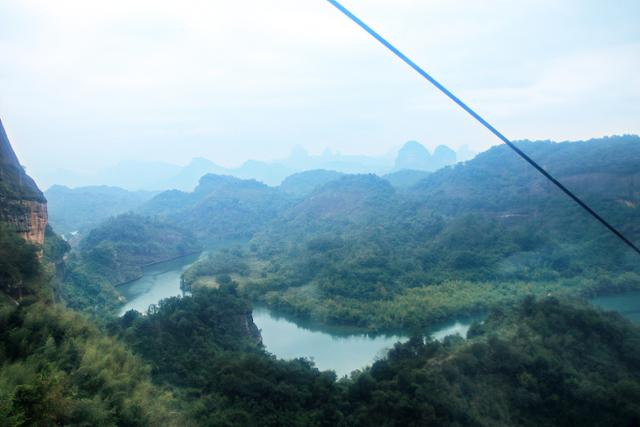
(339, 349)
(160, 281)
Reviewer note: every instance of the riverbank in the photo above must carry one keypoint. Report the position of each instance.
(627, 304)
(155, 263)
(341, 348)
(418, 309)
(160, 281)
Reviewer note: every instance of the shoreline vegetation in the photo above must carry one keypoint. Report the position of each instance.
(196, 360)
(156, 263)
(524, 356)
(415, 309)
(354, 249)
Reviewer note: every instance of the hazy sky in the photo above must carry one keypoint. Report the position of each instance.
(85, 84)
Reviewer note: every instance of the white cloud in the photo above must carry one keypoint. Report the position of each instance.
(89, 82)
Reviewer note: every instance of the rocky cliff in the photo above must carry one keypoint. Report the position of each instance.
(22, 204)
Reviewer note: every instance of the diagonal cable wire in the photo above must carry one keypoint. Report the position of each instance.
(482, 121)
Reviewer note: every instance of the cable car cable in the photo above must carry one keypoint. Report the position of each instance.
(482, 121)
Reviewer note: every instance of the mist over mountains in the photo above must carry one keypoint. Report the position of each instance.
(154, 176)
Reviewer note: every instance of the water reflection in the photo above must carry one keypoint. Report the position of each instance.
(627, 304)
(159, 281)
(340, 349)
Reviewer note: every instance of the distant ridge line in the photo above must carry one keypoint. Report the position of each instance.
(482, 121)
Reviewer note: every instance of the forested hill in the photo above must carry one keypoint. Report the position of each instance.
(357, 240)
(56, 367)
(116, 252)
(221, 208)
(547, 362)
(83, 208)
(465, 238)
(350, 199)
(500, 181)
(303, 183)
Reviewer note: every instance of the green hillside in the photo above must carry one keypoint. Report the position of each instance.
(116, 252)
(221, 209)
(81, 209)
(464, 239)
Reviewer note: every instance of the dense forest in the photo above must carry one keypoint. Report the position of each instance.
(56, 366)
(198, 360)
(116, 252)
(543, 362)
(464, 239)
(221, 208)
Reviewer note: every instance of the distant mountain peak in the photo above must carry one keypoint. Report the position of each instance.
(299, 152)
(413, 155)
(412, 147)
(201, 161)
(212, 182)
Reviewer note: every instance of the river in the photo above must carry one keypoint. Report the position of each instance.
(627, 304)
(160, 281)
(339, 349)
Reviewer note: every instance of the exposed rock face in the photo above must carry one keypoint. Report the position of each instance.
(29, 218)
(22, 204)
(251, 328)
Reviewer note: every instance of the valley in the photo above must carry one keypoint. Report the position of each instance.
(342, 349)
(334, 300)
(319, 214)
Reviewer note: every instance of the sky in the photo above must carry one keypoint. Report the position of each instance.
(86, 84)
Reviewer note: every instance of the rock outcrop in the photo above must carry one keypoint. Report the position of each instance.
(22, 204)
(251, 329)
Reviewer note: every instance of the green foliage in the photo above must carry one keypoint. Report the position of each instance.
(208, 348)
(204, 324)
(55, 247)
(15, 184)
(19, 265)
(81, 209)
(120, 246)
(306, 182)
(545, 363)
(471, 238)
(221, 208)
(355, 250)
(82, 289)
(406, 178)
(115, 253)
(220, 263)
(57, 369)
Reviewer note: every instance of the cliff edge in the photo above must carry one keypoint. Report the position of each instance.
(22, 204)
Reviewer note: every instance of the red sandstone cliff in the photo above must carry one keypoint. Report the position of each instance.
(22, 204)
